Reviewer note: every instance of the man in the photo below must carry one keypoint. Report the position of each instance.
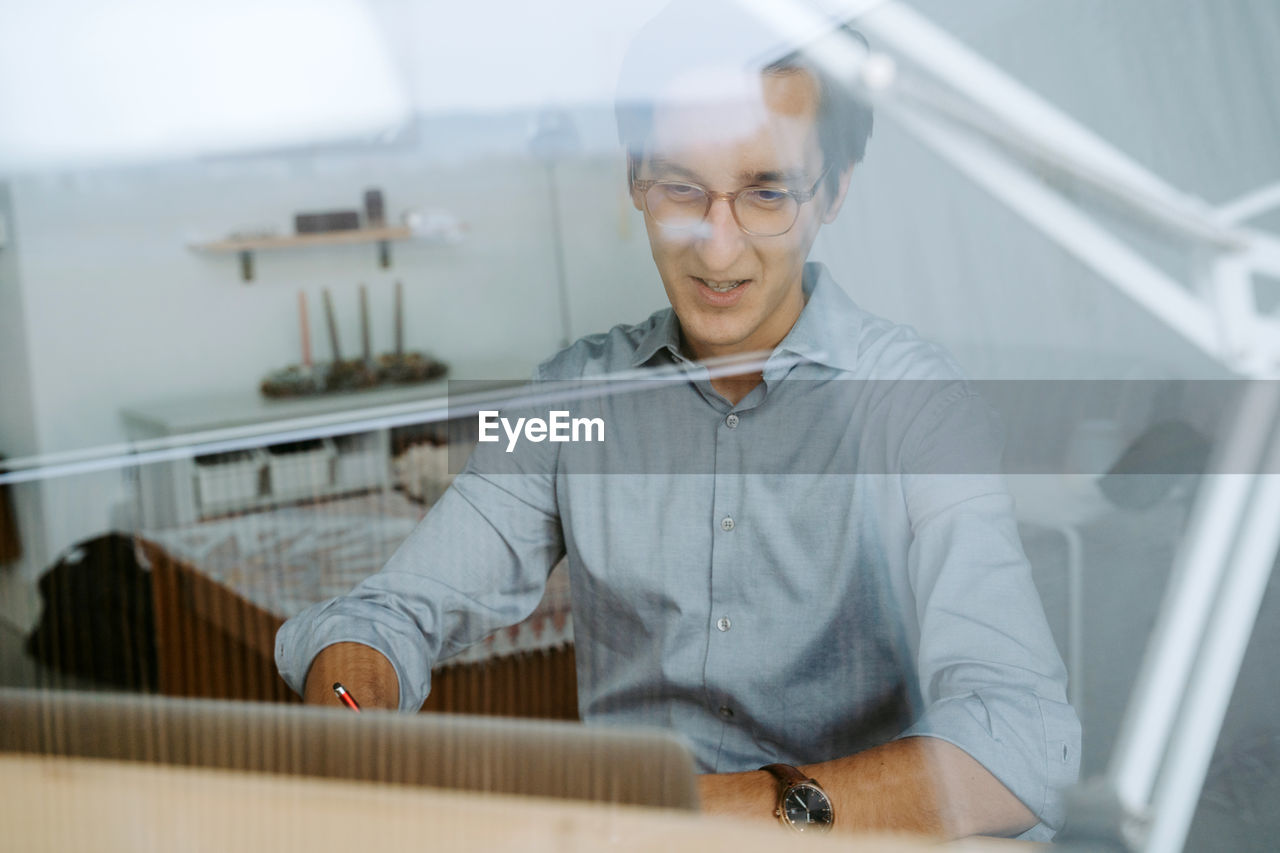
(808, 563)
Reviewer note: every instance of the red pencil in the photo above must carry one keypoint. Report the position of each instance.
(347, 698)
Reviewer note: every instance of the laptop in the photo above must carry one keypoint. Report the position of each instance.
(484, 754)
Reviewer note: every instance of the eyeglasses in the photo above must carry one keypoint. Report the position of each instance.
(759, 211)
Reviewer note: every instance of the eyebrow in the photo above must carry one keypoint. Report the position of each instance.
(772, 176)
(768, 176)
(661, 165)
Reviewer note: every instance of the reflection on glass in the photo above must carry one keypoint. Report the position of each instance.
(174, 518)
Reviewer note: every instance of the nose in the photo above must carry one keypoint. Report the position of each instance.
(720, 241)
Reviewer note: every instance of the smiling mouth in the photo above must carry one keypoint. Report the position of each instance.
(723, 286)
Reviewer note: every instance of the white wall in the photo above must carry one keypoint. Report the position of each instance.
(1184, 87)
(17, 421)
(920, 244)
(120, 311)
(18, 435)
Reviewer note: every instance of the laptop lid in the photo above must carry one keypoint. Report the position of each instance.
(645, 767)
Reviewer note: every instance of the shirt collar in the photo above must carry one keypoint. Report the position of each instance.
(826, 332)
(664, 333)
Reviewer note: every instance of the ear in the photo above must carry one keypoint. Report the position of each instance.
(636, 200)
(842, 190)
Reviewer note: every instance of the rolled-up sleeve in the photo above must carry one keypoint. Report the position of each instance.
(990, 676)
(478, 562)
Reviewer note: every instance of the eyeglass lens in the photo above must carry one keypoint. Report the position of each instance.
(763, 212)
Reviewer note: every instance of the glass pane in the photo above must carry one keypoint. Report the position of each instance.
(335, 342)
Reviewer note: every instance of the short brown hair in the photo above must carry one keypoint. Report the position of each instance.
(844, 119)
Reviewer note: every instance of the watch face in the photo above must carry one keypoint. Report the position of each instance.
(807, 808)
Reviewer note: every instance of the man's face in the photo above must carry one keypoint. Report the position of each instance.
(767, 137)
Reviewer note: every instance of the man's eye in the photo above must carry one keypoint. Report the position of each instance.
(681, 191)
(768, 197)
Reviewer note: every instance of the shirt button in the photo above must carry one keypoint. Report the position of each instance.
(731, 422)
(726, 523)
(723, 623)
(726, 712)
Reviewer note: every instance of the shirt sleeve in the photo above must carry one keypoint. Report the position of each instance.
(990, 677)
(477, 562)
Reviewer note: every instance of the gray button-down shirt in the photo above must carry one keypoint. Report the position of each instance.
(827, 565)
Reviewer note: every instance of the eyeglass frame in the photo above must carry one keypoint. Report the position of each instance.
(802, 198)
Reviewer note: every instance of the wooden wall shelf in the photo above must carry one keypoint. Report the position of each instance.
(292, 241)
(245, 248)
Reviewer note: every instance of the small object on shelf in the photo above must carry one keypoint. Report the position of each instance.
(375, 211)
(436, 226)
(323, 223)
(306, 329)
(399, 319)
(350, 375)
(409, 367)
(343, 374)
(333, 328)
(375, 214)
(296, 380)
(357, 374)
(365, 351)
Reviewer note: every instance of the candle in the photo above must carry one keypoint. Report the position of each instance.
(333, 328)
(399, 319)
(306, 329)
(364, 325)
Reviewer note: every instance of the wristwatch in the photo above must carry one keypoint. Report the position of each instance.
(802, 804)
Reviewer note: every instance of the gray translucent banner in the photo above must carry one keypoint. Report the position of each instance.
(1114, 428)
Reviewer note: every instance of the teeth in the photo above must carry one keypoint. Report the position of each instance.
(722, 286)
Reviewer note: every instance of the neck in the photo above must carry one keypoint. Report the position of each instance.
(734, 387)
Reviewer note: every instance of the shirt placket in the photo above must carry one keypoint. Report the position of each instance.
(725, 622)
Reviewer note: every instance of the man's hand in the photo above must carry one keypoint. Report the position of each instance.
(365, 672)
(917, 784)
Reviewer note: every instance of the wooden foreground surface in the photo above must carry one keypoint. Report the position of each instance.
(64, 804)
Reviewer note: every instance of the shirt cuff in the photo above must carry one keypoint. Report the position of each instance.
(1030, 744)
(346, 620)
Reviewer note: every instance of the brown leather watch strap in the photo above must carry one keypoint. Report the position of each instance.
(786, 774)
